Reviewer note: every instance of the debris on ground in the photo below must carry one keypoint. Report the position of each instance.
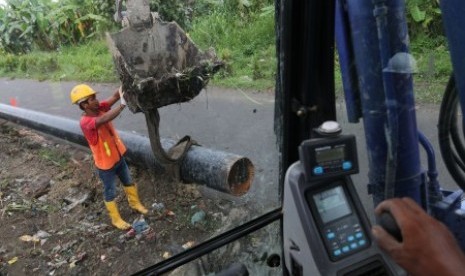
(54, 220)
(159, 207)
(188, 245)
(198, 217)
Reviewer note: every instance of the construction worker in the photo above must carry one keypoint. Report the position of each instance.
(107, 148)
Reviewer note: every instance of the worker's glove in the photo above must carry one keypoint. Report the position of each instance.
(121, 96)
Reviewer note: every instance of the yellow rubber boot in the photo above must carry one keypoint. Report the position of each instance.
(133, 199)
(116, 219)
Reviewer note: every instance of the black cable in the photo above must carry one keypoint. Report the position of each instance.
(450, 144)
(459, 153)
(454, 131)
(459, 162)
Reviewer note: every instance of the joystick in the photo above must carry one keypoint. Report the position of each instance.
(387, 221)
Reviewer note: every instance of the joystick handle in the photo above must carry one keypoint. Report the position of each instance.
(387, 221)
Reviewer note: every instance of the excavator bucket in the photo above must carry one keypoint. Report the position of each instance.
(157, 63)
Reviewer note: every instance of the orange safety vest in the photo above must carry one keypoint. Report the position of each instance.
(108, 149)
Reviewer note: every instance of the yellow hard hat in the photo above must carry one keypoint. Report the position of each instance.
(81, 92)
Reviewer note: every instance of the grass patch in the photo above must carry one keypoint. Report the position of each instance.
(246, 45)
(434, 68)
(91, 61)
(429, 91)
(55, 157)
(88, 62)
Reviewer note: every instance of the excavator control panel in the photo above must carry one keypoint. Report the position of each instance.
(325, 228)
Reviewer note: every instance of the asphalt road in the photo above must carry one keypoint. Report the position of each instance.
(235, 121)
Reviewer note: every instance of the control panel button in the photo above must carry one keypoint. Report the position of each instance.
(345, 237)
(330, 128)
(318, 170)
(347, 165)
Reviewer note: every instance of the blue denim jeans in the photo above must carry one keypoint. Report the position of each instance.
(108, 178)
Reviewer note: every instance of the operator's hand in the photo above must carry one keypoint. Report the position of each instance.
(121, 96)
(428, 247)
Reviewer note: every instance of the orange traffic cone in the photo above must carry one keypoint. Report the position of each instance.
(13, 102)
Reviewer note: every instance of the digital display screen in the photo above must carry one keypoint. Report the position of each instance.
(328, 154)
(332, 204)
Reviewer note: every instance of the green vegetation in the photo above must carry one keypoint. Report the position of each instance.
(241, 32)
(56, 157)
(89, 61)
(45, 25)
(246, 44)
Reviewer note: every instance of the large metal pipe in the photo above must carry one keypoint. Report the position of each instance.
(218, 170)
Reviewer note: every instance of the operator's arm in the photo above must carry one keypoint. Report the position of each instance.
(428, 247)
(113, 98)
(108, 116)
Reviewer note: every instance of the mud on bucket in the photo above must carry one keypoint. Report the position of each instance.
(159, 65)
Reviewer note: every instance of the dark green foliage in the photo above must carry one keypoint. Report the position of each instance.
(17, 22)
(173, 10)
(45, 25)
(424, 17)
(234, 8)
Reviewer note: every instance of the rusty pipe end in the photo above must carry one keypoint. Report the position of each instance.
(241, 176)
